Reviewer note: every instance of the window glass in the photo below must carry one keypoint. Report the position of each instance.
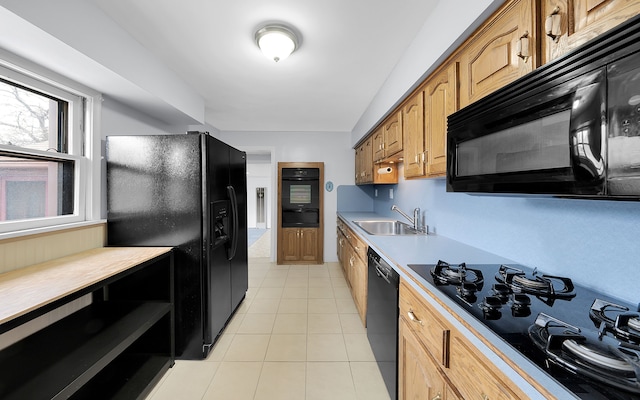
(30, 119)
(35, 187)
(40, 162)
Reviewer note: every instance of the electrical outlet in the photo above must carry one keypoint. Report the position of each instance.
(375, 192)
(391, 193)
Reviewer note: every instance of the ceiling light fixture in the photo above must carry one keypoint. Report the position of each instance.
(276, 41)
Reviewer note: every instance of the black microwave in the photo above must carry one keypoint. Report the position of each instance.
(568, 128)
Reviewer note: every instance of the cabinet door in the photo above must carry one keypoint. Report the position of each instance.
(441, 100)
(418, 376)
(358, 165)
(378, 144)
(308, 244)
(473, 378)
(414, 137)
(393, 134)
(568, 24)
(289, 244)
(489, 60)
(340, 243)
(367, 160)
(359, 285)
(364, 162)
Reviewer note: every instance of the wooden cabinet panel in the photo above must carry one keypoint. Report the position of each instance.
(377, 141)
(354, 265)
(393, 134)
(473, 377)
(364, 162)
(466, 372)
(567, 24)
(429, 329)
(289, 244)
(308, 244)
(367, 160)
(489, 60)
(418, 375)
(414, 136)
(299, 244)
(358, 278)
(441, 100)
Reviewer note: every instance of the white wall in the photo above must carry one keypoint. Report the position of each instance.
(332, 148)
(450, 23)
(259, 174)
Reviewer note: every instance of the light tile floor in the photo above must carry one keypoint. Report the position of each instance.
(297, 336)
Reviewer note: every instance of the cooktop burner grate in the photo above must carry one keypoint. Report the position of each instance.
(588, 354)
(445, 273)
(549, 286)
(617, 319)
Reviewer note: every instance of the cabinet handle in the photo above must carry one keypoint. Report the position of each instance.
(552, 24)
(424, 156)
(357, 248)
(438, 397)
(522, 46)
(485, 397)
(413, 318)
(351, 261)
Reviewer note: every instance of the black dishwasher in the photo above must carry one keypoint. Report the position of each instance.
(382, 318)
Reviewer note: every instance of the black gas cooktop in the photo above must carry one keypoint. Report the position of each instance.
(588, 342)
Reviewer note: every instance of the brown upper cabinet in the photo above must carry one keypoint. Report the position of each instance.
(499, 52)
(387, 139)
(520, 36)
(414, 137)
(424, 118)
(364, 162)
(568, 24)
(367, 172)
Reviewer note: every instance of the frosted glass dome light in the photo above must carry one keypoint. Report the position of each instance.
(277, 42)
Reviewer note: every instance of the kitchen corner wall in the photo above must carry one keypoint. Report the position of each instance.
(596, 243)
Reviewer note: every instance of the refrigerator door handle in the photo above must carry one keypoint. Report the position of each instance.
(233, 231)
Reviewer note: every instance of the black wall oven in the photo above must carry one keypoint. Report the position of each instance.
(569, 128)
(300, 197)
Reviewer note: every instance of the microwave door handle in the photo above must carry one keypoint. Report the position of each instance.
(587, 132)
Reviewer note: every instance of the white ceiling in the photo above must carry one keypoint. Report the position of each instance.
(348, 48)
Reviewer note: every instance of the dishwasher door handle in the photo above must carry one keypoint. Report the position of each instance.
(381, 273)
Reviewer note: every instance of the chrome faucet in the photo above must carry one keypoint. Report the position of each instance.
(415, 221)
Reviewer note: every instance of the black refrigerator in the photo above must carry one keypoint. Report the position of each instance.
(187, 191)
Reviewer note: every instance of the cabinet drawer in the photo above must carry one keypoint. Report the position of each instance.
(472, 377)
(428, 328)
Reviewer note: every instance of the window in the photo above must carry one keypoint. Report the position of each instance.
(42, 178)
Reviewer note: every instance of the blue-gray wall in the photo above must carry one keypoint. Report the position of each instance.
(596, 243)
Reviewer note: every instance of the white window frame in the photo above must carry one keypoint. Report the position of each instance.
(83, 144)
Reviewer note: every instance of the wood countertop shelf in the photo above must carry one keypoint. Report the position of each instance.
(31, 288)
(119, 346)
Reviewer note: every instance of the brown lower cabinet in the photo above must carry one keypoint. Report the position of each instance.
(436, 362)
(352, 255)
(419, 375)
(299, 245)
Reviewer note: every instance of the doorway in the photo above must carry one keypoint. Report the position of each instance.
(259, 193)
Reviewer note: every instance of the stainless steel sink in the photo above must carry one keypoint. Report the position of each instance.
(387, 228)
